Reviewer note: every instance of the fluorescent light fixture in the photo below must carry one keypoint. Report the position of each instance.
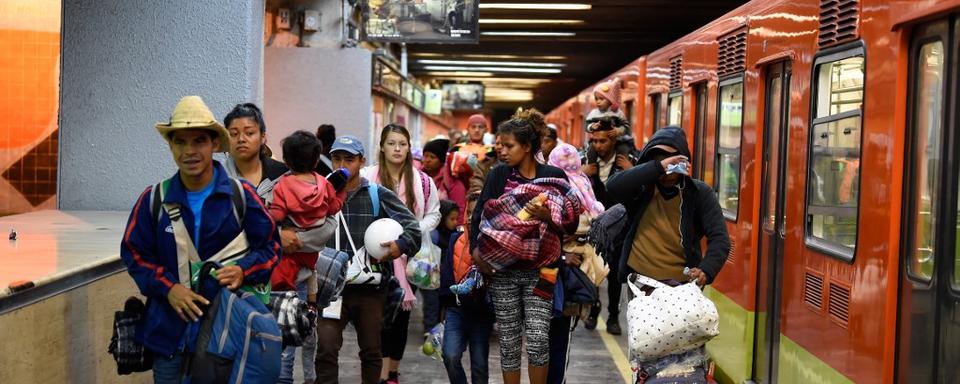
(540, 6)
(507, 94)
(494, 63)
(463, 74)
(530, 21)
(529, 33)
(490, 69)
(484, 56)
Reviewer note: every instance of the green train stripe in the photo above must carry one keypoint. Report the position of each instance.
(732, 350)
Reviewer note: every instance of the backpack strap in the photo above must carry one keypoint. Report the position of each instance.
(239, 200)
(373, 189)
(156, 199)
(159, 192)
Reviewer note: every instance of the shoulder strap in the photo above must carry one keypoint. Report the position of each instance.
(425, 183)
(156, 199)
(373, 190)
(239, 200)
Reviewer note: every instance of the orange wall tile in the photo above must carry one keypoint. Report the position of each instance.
(29, 100)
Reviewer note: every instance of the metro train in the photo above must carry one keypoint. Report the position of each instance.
(829, 130)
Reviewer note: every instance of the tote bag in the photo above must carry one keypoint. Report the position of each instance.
(669, 321)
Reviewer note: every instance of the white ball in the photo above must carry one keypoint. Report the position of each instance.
(379, 232)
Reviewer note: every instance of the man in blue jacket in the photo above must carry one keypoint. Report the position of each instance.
(205, 197)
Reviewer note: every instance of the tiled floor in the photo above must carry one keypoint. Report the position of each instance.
(590, 360)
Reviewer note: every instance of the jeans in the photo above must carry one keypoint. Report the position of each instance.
(461, 328)
(431, 309)
(559, 348)
(166, 370)
(307, 352)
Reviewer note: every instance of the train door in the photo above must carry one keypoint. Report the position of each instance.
(929, 321)
(767, 325)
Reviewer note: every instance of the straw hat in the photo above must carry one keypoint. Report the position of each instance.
(192, 113)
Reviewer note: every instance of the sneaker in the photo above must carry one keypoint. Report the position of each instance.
(613, 326)
(590, 323)
(393, 378)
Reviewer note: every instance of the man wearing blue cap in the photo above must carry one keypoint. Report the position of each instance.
(362, 301)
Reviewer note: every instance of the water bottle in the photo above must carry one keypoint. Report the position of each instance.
(339, 178)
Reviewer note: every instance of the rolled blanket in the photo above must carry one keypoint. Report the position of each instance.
(606, 231)
(508, 241)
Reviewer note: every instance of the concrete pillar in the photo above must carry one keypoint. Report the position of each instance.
(124, 66)
(306, 87)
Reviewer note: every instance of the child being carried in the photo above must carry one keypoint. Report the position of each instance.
(302, 199)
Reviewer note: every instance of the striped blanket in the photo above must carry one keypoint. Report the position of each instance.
(506, 241)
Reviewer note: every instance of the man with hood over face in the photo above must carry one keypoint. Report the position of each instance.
(668, 214)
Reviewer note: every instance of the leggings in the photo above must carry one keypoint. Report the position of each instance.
(519, 311)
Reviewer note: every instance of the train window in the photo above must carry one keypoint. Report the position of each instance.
(655, 102)
(699, 135)
(674, 108)
(834, 171)
(628, 111)
(730, 120)
(927, 147)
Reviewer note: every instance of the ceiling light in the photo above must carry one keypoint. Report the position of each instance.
(518, 33)
(491, 69)
(495, 63)
(530, 21)
(507, 94)
(547, 6)
(464, 74)
(483, 56)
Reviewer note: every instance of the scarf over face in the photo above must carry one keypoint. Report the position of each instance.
(506, 241)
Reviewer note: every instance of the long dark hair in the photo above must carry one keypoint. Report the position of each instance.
(248, 110)
(527, 127)
(406, 169)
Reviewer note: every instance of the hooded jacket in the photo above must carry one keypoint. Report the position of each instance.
(700, 213)
(306, 204)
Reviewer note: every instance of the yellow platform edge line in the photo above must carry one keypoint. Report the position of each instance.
(619, 357)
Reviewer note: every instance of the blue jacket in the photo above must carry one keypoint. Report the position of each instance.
(149, 250)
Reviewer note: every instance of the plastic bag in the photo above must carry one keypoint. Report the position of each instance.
(423, 270)
(671, 320)
(433, 346)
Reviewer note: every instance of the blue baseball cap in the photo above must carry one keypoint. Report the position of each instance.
(349, 144)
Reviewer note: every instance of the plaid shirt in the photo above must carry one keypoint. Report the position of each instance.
(358, 211)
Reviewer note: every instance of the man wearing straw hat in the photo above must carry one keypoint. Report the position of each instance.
(219, 215)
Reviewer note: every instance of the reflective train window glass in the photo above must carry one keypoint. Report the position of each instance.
(655, 102)
(674, 109)
(927, 147)
(730, 120)
(834, 172)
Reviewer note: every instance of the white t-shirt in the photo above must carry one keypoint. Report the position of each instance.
(605, 168)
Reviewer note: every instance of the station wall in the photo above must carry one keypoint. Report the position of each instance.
(125, 66)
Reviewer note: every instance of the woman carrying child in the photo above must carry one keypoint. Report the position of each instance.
(522, 297)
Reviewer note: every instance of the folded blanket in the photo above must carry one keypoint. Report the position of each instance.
(507, 241)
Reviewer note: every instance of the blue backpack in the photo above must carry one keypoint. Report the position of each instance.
(239, 339)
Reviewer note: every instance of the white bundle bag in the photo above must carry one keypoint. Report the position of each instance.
(671, 320)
